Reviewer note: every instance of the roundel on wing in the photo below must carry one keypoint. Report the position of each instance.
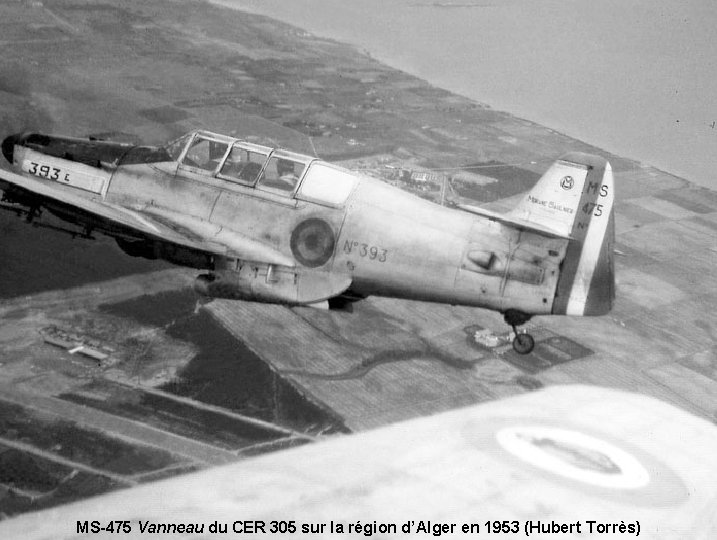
(312, 242)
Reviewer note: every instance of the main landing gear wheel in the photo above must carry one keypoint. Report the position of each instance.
(523, 343)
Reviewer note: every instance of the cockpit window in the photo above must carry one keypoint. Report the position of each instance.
(327, 184)
(282, 173)
(243, 165)
(205, 154)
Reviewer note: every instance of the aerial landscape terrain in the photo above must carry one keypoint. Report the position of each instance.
(113, 372)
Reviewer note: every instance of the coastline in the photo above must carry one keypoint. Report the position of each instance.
(629, 103)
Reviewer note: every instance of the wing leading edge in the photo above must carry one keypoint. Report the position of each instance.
(158, 223)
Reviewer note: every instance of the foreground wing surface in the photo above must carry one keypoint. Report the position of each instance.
(564, 455)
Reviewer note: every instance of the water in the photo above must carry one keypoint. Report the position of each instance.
(635, 77)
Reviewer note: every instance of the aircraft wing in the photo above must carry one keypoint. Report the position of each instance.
(158, 223)
(573, 456)
(517, 223)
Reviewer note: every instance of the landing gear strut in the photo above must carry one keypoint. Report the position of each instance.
(523, 343)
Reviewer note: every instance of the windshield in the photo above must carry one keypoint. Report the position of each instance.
(176, 147)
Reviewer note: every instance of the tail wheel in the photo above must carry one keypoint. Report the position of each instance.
(523, 343)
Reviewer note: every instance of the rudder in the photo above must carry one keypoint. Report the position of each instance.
(586, 285)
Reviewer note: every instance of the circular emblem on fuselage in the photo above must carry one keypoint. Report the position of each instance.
(567, 182)
(312, 242)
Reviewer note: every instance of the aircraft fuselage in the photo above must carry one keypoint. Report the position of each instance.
(280, 227)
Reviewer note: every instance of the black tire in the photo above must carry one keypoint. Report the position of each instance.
(523, 343)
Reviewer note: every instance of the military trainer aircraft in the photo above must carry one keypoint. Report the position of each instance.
(270, 225)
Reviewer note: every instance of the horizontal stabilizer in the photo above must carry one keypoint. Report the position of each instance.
(517, 223)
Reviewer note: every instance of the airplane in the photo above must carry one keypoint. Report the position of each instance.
(270, 225)
(566, 461)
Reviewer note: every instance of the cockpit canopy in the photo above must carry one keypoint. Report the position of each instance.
(240, 161)
(273, 170)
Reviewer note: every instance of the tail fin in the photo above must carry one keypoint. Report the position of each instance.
(575, 198)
